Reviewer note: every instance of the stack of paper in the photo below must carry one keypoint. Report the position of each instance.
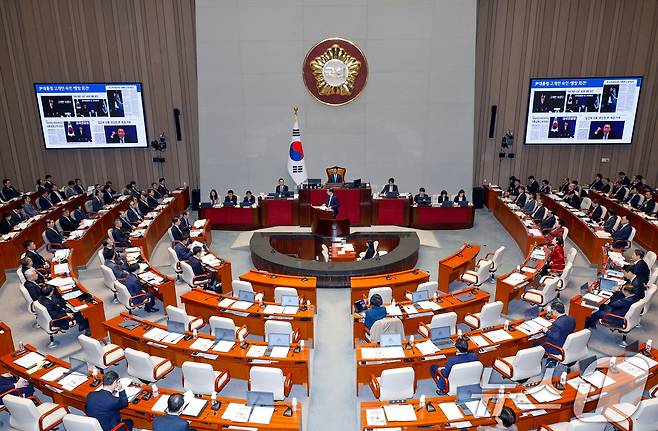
(73, 380)
(199, 223)
(427, 347)
(30, 360)
(479, 340)
(61, 268)
(223, 346)
(226, 302)
(156, 334)
(151, 277)
(535, 232)
(393, 310)
(538, 254)
(544, 394)
(279, 352)
(599, 379)
(202, 344)
(273, 309)
(236, 413)
(515, 278)
(62, 282)
(241, 305)
(54, 374)
(256, 351)
(61, 255)
(498, 336)
(400, 413)
(451, 411)
(429, 305)
(375, 417)
(602, 234)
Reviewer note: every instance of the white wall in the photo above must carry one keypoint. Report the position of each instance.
(414, 120)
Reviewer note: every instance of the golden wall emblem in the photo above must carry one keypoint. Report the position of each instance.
(335, 71)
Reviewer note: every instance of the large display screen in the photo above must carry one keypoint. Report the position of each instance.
(92, 115)
(582, 110)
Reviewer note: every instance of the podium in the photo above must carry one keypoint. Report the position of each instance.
(324, 224)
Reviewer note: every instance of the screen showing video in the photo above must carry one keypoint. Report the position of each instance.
(582, 110)
(92, 115)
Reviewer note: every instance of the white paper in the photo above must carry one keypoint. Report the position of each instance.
(261, 415)
(194, 407)
(410, 309)
(375, 417)
(61, 281)
(223, 346)
(429, 305)
(72, 381)
(393, 310)
(54, 374)
(479, 340)
(202, 344)
(256, 351)
(241, 305)
(544, 394)
(226, 302)
(400, 413)
(161, 404)
(451, 410)
(279, 352)
(602, 234)
(30, 360)
(598, 379)
(498, 335)
(290, 310)
(156, 334)
(236, 413)
(427, 347)
(478, 408)
(273, 309)
(515, 278)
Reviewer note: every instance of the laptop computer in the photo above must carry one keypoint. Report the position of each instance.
(175, 327)
(224, 334)
(420, 295)
(463, 297)
(356, 183)
(468, 393)
(607, 285)
(260, 399)
(276, 339)
(585, 365)
(245, 204)
(446, 203)
(289, 300)
(463, 203)
(246, 296)
(313, 183)
(360, 306)
(229, 204)
(440, 337)
(392, 194)
(75, 366)
(390, 340)
(584, 287)
(495, 378)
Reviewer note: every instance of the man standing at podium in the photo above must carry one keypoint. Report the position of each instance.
(332, 202)
(335, 177)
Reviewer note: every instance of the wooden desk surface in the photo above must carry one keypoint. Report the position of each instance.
(164, 291)
(401, 282)
(205, 304)
(431, 217)
(235, 361)
(453, 266)
(505, 291)
(6, 340)
(142, 412)
(266, 282)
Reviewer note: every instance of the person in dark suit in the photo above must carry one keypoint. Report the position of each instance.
(156, 193)
(249, 198)
(606, 188)
(443, 197)
(618, 304)
(565, 185)
(530, 204)
(151, 200)
(199, 270)
(281, 187)
(118, 136)
(176, 231)
(42, 273)
(138, 291)
(52, 235)
(555, 232)
(638, 267)
(96, 202)
(390, 188)
(376, 311)
(332, 202)
(171, 421)
(335, 177)
(69, 190)
(8, 191)
(62, 316)
(597, 183)
(548, 222)
(17, 385)
(230, 199)
(370, 249)
(441, 376)
(143, 204)
(540, 210)
(44, 201)
(422, 198)
(28, 207)
(595, 211)
(79, 188)
(185, 222)
(545, 187)
(119, 236)
(109, 255)
(108, 197)
(634, 198)
(622, 233)
(513, 188)
(55, 196)
(562, 327)
(49, 182)
(31, 251)
(105, 404)
(611, 221)
(638, 181)
(649, 205)
(134, 214)
(460, 196)
(533, 185)
(162, 188)
(67, 223)
(32, 284)
(521, 197)
(7, 224)
(604, 132)
(572, 199)
(126, 226)
(182, 250)
(623, 179)
(79, 214)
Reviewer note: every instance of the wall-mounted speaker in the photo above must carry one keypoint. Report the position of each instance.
(492, 121)
(177, 121)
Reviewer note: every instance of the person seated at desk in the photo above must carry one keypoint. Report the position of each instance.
(27, 264)
(597, 184)
(335, 177)
(572, 199)
(422, 198)
(557, 231)
(55, 196)
(109, 255)
(38, 261)
(618, 304)
(575, 187)
(7, 223)
(28, 207)
(108, 196)
(611, 220)
(182, 250)
(214, 197)
(32, 284)
(390, 189)
(638, 268)
(230, 200)
(376, 311)
(52, 235)
(156, 193)
(623, 179)
(533, 185)
(8, 191)
(185, 223)
(79, 214)
(606, 188)
(119, 257)
(44, 201)
(151, 200)
(505, 421)
(443, 197)
(441, 376)
(66, 222)
(105, 404)
(171, 421)
(62, 317)
(281, 187)
(638, 181)
(545, 187)
(633, 198)
(249, 198)
(513, 188)
(623, 232)
(557, 334)
(332, 202)
(595, 211)
(370, 249)
(460, 196)
(530, 204)
(649, 205)
(200, 270)
(176, 231)
(126, 226)
(138, 291)
(162, 188)
(78, 187)
(119, 236)
(540, 210)
(143, 205)
(134, 214)
(555, 261)
(131, 189)
(565, 185)
(619, 192)
(10, 384)
(521, 198)
(96, 202)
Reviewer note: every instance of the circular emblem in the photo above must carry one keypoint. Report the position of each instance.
(335, 71)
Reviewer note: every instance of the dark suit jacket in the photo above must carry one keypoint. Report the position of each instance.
(56, 306)
(619, 305)
(533, 187)
(387, 189)
(152, 202)
(622, 233)
(442, 198)
(185, 225)
(68, 224)
(10, 192)
(126, 226)
(335, 178)
(596, 184)
(182, 252)
(625, 181)
(143, 207)
(163, 190)
(279, 189)
(133, 216)
(54, 237)
(44, 203)
(545, 189)
(548, 222)
(79, 189)
(96, 205)
(621, 193)
(56, 197)
(564, 187)
(116, 270)
(107, 198)
(6, 226)
(610, 223)
(520, 199)
(37, 260)
(426, 199)
(119, 235)
(560, 330)
(634, 200)
(596, 213)
(233, 199)
(538, 213)
(177, 233)
(251, 200)
(196, 265)
(574, 201)
(599, 135)
(648, 206)
(332, 202)
(605, 188)
(105, 407)
(170, 423)
(134, 287)
(640, 269)
(33, 289)
(79, 215)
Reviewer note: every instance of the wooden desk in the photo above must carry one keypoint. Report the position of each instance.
(401, 283)
(279, 212)
(512, 223)
(335, 254)
(453, 266)
(266, 282)
(505, 291)
(448, 302)
(421, 363)
(205, 304)
(231, 218)
(355, 204)
(431, 217)
(6, 340)
(235, 361)
(580, 232)
(324, 224)
(142, 413)
(164, 291)
(391, 211)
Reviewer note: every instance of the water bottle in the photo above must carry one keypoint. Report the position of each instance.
(154, 390)
(21, 347)
(422, 401)
(195, 334)
(647, 349)
(294, 404)
(393, 302)
(435, 296)
(459, 333)
(506, 326)
(411, 340)
(613, 364)
(301, 345)
(563, 380)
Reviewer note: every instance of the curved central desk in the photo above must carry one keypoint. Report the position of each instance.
(294, 254)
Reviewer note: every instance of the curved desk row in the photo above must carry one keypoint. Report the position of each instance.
(453, 266)
(510, 288)
(266, 282)
(400, 282)
(142, 412)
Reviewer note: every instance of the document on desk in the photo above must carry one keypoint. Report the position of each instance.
(375, 417)
(199, 223)
(538, 254)
(194, 406)
(261, 415)
(451, 410)
(602, 234)
(478, 408)
(223, 346)
(73, 380)
(172, 338)
(650, 363)
(393, 310)
(592, 297)
(273, 309)
(497, 336)
(427, 347)
(400, 413)
(543, 322)
(29, 361)
(544, 394)
(237, 412)
(429, 305)
(515, 278)
(202, 344)
(161, 404)
(54, 374)
(598, 379)
(62, 254)
(290, 310)
(279, 352)
(61, 268)
(256, 351)
(226, 302)
(535, 232)
(241, 305)
(410, 309)
(479, 340)
(521, 400)
(392, 352)
(156, 334)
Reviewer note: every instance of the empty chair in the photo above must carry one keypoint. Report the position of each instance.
(387, 325)
(438, 321)
(217, 322)
(430, 286)
(100, 355)
(269, 379)
(625, 244)
(84, 423)
(109, 281)
(544, 296)
(525, 364)
(479, 276)
(24, 415)
(325, 253)
(640, 418)
(279, 327)
(629, 321)
(29, 303)
(571, 256)
(565, 234)
(574, 348)
(585, 204)
(239, 285)
(173, 261)
(127, 300)
(101, 258)
(145, 367)
(487, 317)
(45, 322)
(192, 280)
(577, 425)
(281, 291)
(494, 259)
(202, 379)
(562, 280)
(176, 314)
(385, 292)
(648, 296)
(654, 276)
(650, 258)
(394, 384)
(464, 374)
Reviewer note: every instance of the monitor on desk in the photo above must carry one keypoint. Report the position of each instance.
(463, 203)
(420, 295)
(229, 204)
(289, 300)
(276, 339)
(585, 365)
(244, 204)
(607, 285)
(77, 365)
(175, 327)
(424, 201)
(390, 340)
(260, 399)
(392, 195)
(224, 334)
(446, 203)
(468, 393)
(313, 183)
(246, 296)
(360, 306)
